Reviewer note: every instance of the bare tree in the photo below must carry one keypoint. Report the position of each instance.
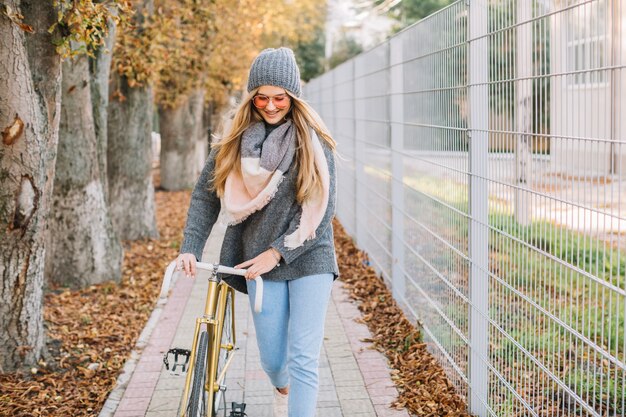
(181, 128)
(30, 72)
(82, 246)
(100, 70)
(129, 154)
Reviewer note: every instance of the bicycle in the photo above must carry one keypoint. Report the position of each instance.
(213, 346)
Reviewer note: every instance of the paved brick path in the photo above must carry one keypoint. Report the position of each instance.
(354, 380)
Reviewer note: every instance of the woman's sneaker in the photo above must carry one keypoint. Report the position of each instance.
(280, 404)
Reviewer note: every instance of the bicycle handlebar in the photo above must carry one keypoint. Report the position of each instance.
(258, 299)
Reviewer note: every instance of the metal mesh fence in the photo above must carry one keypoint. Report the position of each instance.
(482, 155)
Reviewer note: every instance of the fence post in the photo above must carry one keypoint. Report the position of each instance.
(396, 118)
(478, 231)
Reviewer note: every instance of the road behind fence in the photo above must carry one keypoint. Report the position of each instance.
(484, 154)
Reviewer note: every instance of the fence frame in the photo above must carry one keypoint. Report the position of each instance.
(461, 322)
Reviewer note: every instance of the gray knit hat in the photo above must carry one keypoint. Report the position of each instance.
(275, 67)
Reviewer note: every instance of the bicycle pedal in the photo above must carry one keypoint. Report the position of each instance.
(238, 410)
(178, 355)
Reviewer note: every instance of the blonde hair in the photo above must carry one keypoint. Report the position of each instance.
(304, 118)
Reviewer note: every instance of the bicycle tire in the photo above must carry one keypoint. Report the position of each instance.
(226, 339)
(196, 405)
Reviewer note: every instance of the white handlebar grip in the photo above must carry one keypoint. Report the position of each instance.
(258, 297)
(167, 278)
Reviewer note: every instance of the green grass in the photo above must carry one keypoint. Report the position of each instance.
(586, 253)
(509, 406)
(591, 308)
(452, 193)
(537, 260)
(600, 386)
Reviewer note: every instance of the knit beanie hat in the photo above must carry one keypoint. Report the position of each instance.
(275, 67)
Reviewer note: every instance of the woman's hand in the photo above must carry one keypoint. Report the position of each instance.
(261, 264)
(187, 261)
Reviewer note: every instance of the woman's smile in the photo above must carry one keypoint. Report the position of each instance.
(271, 113)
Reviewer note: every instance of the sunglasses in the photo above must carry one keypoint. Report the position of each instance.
(261, 101)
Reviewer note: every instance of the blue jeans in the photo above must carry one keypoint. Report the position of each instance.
(289, 332)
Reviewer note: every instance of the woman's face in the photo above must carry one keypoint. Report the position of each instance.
(272, 103)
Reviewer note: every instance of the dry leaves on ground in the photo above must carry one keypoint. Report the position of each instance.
(422, 384)
(92, 331)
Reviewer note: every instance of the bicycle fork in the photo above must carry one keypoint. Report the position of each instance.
(215, 305)
(214, 382)
(208, 319)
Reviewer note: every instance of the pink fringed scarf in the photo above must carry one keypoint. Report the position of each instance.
(263, 164)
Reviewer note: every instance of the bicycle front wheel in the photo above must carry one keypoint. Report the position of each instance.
(226, 349)
(197, 404)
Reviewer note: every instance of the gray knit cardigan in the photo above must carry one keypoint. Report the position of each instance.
(264, 229)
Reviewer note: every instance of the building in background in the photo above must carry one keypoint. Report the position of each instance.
(357, 20)
(588, 124)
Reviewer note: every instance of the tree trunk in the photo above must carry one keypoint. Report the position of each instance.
(204, 139)
(129, 157)
(30, 73)
(100, 68)
(83, 248)
(180, 128)
(131, 191)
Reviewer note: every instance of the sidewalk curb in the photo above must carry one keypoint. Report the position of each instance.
(115, 396)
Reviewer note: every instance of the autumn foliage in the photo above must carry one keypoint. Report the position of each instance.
(183, 45)
(83, 24)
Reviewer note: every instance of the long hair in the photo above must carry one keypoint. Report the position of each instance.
(304, 118)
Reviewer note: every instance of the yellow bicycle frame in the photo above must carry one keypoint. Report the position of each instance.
(213, 318)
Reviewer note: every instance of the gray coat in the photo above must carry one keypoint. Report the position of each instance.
(264, 229)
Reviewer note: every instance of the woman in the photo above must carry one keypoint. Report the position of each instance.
(273, 175)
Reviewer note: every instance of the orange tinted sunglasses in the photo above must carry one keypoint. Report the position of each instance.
(261, 101)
